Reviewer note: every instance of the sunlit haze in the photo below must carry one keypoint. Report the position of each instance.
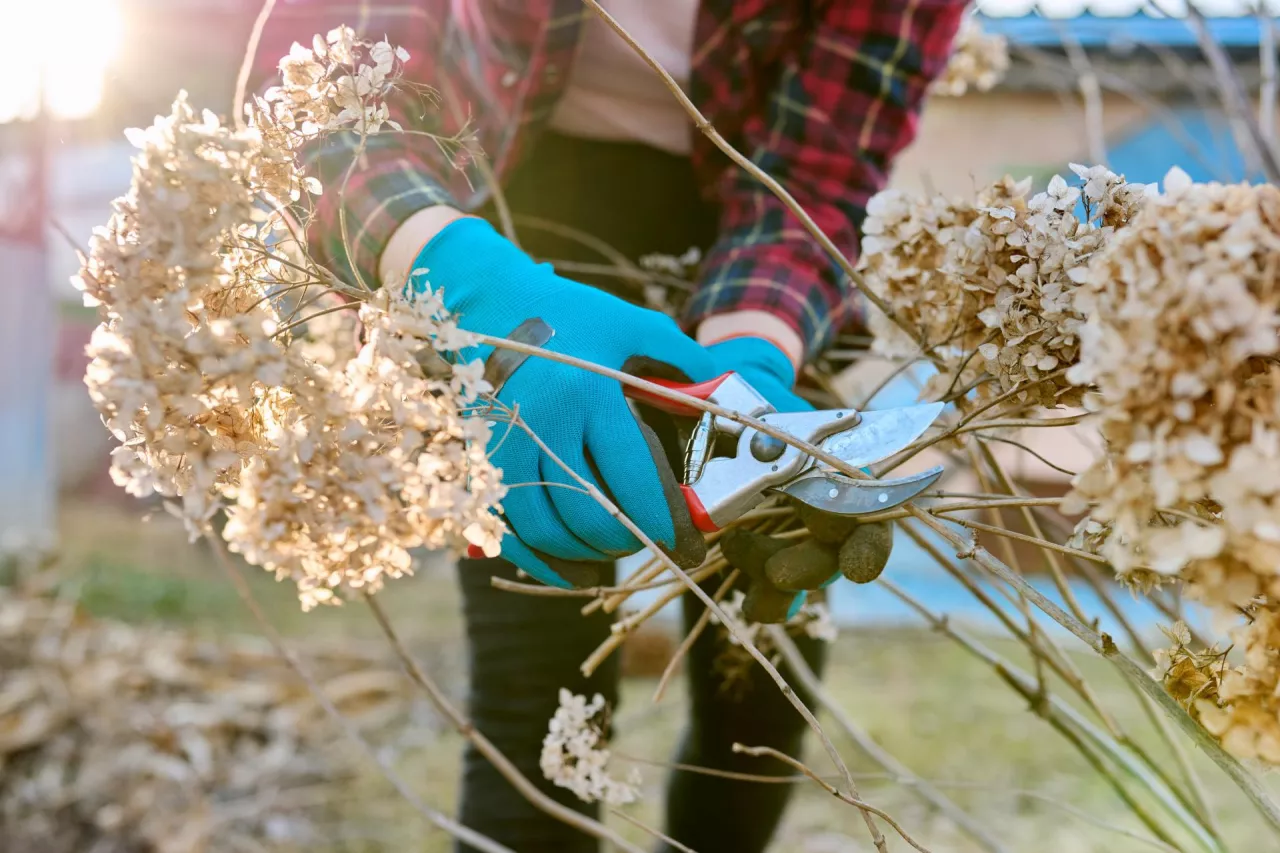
(66, 46)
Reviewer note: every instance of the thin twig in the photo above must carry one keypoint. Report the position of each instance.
(619, 272)
(905, 365)
(601, 247)
(246, 64)
(1085, 737)
(1032, 540)
(485, 168)
(732, 625)
(1027, 793)
(443, 821)
(708, 130)
(1250, 138)
(722, 774)
(898, 771)
(544, 591)
(1066, 807)
(971, 417)
(687, 643)
(65, 233)
(770, 752)
(1090, 93)
(1033, 632)
(1048, 463)
(645, 574)
(486, 747)
(619, 631)
(289, 327)
(1103, 645)
(1267, 61)
(995, 503)
(1020, 423)
(1051, 559)
(661, 836)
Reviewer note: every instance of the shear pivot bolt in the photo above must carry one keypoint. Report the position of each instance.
(766, 448)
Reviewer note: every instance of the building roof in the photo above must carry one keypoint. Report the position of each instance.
(1157, 55)
(1122, 33)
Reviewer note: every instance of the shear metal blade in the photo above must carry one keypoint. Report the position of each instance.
(881, 434)
(840, 495)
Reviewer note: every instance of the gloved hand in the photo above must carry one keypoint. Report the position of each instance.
(556, 532)
(781, 572)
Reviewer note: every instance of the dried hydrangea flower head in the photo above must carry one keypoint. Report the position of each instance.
(1183, 323)
(334, 457)
(1184, 309)
(573, 756)
(185, 350)
(907, 248)
(979, 60)
(384, 462)
(1238, 704)
(990, 283)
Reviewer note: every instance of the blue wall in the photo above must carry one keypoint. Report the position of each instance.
(1205, 149)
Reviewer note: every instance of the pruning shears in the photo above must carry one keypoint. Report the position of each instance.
(731, 467)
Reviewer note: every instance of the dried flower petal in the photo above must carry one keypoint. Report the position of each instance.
(573, 756)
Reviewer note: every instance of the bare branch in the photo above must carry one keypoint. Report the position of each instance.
(443, 821)
(733, 627)
(898, 771)
(831, 789)
(486, 748)
(1104, 646)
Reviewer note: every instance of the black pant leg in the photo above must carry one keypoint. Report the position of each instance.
(716, 815)
(523, 649)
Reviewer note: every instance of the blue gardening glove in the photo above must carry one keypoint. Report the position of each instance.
(556, 533)
(767, 368)
(781, 573)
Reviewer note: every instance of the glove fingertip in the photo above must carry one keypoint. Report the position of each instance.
(803, 566)
(748, 550)
(523, 558)
(864, 555)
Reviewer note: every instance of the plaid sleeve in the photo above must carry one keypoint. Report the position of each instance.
(398, 174)
(840, 112)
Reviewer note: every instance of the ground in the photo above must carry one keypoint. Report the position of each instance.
(939, 710)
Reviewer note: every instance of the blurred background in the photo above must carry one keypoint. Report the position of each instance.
(1109, 81)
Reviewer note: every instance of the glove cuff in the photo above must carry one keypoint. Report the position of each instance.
(756, 352)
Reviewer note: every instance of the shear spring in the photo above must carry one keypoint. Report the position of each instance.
(698, 449)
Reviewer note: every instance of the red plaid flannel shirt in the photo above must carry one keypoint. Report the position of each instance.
(822, 94)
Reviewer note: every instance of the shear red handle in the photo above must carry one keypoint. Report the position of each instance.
(700, 390)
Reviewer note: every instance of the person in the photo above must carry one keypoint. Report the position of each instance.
(587, 158)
